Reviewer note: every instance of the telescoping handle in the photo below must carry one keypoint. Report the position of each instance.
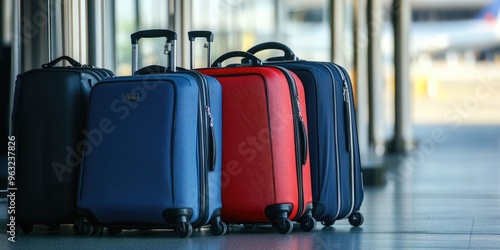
(154, 33)
(192, 35)
(288, 53)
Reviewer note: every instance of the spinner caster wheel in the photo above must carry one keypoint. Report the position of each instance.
(286, 228)
(184, 229)
(307, 223)
(219, 229)
(356, 219)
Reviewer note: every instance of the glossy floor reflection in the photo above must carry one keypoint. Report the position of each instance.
(444, 195)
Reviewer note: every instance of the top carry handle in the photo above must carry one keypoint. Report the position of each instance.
(289, 55)
(153, 33)
(302, 132)
(246, 56)
(192, 35)
(71, 61)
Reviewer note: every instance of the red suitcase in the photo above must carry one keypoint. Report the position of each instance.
(265, 167)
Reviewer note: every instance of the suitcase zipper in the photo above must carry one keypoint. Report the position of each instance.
(206, 118)
(297, 119)
(350, 146)
(337, 159)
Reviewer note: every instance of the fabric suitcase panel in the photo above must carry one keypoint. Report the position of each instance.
(317, 78)
(49, 116)
(256, 152)
(158, 153)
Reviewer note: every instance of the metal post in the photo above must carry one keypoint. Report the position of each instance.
(403, 134)
(376, 86)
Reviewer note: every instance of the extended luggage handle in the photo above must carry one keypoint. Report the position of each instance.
(289, 55)
(209, 36)
(254, 60)
(52, 63)
(154, 33)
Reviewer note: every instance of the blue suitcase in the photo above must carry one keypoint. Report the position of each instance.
(153, 151)
(336, 177)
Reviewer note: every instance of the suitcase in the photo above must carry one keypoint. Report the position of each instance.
(333, 139)
(158, 161)
(49, 116)
(266, 175)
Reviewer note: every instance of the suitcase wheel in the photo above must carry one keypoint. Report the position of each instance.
(219, 228)
(328, 223)
(307, 223)
(114, 230)
(356, 219)
(286, 228)
(88, 229)
(98, 230)
(27, 228)
(184, 229)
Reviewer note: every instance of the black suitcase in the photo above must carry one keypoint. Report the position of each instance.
(49, 117)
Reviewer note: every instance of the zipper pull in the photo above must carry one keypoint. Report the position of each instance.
(207, 109)
(299, 109)
(212, 140)
(347, 117)
(347, 97)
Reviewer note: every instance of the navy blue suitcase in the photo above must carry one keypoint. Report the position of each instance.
(336, 177)
(155, 159)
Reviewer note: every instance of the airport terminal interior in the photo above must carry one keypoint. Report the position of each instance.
(426, 89)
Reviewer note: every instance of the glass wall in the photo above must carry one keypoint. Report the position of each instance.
(131, 16)
(240, 24)
(237, 25)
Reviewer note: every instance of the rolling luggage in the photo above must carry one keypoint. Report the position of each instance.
(49, 117)
(337, 183)
(157, 160)
(266, 175)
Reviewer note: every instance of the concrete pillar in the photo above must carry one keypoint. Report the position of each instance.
(376, 84)
(15, 54)
(102, 33)
(403, 132)
(360, 75)
(337, 31)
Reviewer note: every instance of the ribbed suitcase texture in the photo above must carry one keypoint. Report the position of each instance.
(334, 150)
(266, 175)
(49, 116)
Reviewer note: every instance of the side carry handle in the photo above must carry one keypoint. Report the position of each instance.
(289, 55)
(209, 36)
(71, 61)
(154, 33)
(218, 62)
(304, 143)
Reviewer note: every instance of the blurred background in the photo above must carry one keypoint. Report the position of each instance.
(414, 64)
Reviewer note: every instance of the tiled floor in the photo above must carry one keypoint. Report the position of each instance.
(445, 195)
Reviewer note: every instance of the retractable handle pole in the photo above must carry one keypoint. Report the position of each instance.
(154, 33)
(192, 35)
